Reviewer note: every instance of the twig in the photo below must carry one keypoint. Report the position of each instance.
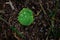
(10, 3)
(16, 36)
(2, 11)
(3, 20)
(38, 12)
(48, 8)
(42, 7)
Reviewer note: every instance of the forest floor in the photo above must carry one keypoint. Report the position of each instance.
(46, 25)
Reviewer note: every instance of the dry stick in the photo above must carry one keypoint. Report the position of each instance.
(42, 7)
(3, 20)
(16, 36)
(2, 11)
(38, 12)
(48, 8)
(10, 3)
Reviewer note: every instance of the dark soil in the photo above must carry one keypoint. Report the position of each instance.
(40, 29)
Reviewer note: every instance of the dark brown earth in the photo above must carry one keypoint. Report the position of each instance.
(40, 29)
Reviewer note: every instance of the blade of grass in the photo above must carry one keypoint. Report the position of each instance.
(3, 20)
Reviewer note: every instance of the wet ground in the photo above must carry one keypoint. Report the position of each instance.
(46, 26)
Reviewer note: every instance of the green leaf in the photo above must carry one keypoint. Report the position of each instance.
(25, 16)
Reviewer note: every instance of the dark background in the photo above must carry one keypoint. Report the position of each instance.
(40, 28)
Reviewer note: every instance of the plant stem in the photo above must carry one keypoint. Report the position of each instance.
(3, 20)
